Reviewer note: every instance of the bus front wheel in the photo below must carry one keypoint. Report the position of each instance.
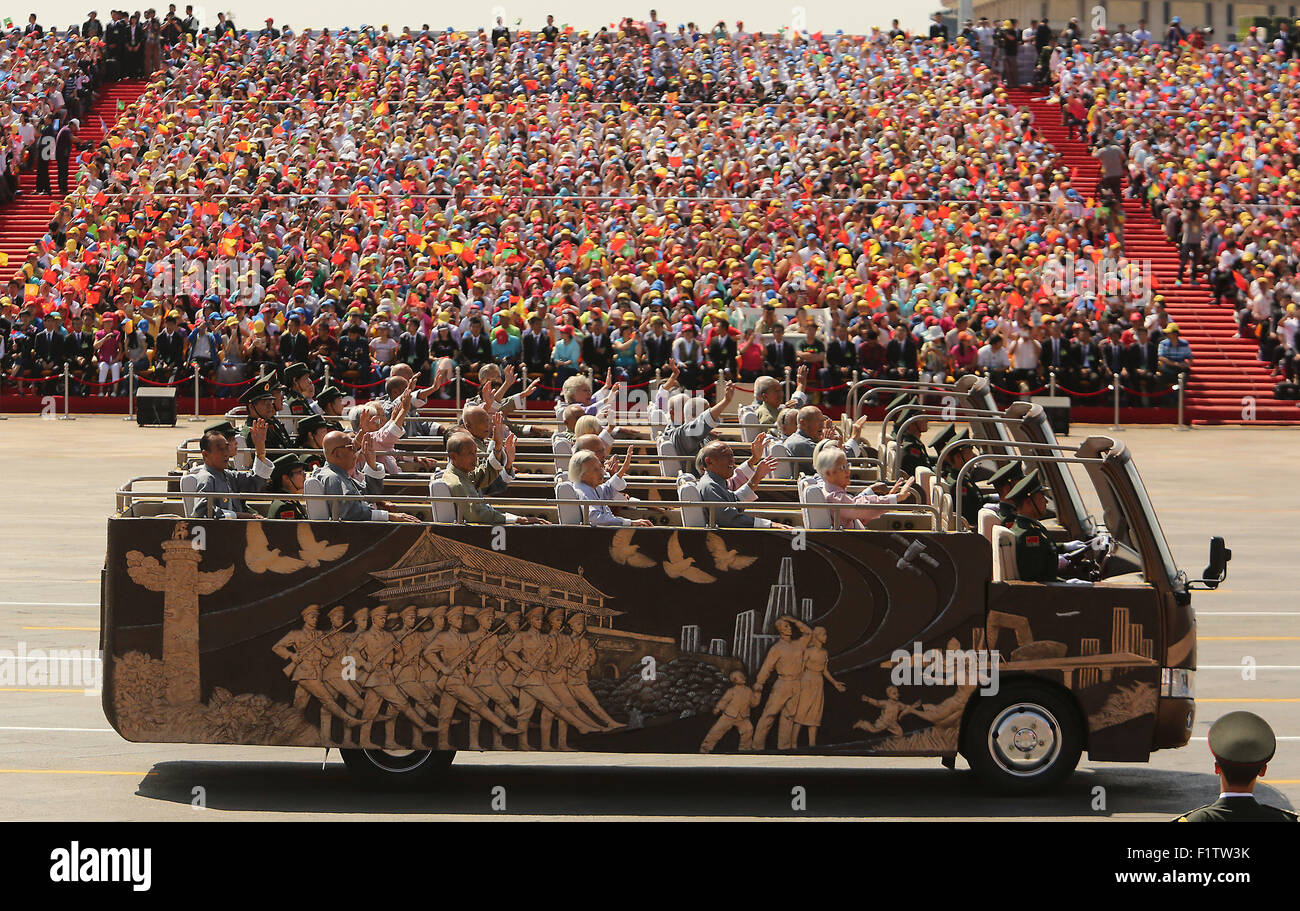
(1025, 739)
(397, 769)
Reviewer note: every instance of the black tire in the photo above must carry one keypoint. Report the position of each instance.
(397, 769)
(1026, 739)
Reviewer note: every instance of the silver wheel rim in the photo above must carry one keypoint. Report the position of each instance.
(1024, 739)
(398, 760)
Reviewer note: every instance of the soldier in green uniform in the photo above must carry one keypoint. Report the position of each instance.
(972, 498)
(1242, 743)
(330, 401)
(1003, 480)
(1037, 557)
(299, 397)
(287, 476)
(911, 451)
(311, 435)
(260, 401)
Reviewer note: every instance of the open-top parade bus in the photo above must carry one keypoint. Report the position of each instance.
(399, 644)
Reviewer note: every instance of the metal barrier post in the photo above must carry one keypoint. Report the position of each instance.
(1182, 385)
(67, 387)
(130, 392)
(327, 373)
(786, 383)
(458, 385)
(1051, 383)
(196, 417)
(1115, 387)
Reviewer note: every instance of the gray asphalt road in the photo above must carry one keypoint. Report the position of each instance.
(59, 759)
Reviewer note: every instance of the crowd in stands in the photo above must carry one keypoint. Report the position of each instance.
(1209, 140)
(633, 199)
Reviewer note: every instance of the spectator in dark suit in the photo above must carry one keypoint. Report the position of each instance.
(1143, 365)
(1114, 357)
(64, 145)
(657, 345)
(1083, 367)
(597, 347)
(413, 348)
(536, 353)
(475, 349)
(295, 348)
(92, 27)
(841, 361)
(169, 351)
(901, 355)
(780, 354)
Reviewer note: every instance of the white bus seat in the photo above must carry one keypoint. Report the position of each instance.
(189, 484)
(1004, 554)
(989, 519)
(561, 448)
(925, 482)
(317, 510)
(442, 511)
(568, 503)
(784, 469)
(689, 496)
(668, 465)
(748, 423)
(813, 495)
(946, 517)
(891, 460)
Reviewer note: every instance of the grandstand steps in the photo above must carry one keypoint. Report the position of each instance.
(24, 221)
(1227, 377)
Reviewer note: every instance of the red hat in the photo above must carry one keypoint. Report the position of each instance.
(567, 329)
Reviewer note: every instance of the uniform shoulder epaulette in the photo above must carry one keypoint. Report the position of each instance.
(1184, 817)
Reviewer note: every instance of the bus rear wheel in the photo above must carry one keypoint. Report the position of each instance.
(397, 769)
(1025, 739)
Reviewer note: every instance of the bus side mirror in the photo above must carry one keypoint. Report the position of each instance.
(1217, 571)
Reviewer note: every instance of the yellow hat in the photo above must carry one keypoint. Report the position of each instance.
(1172, 327)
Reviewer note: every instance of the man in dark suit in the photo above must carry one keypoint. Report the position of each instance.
(169, 350)
(657, 345)
(48, 349)
(901, 355)
(1055, 349)
(722, 352)
(779, 354)
(475, 349)
(413, 348)
(133, 52)
(1143, 365)
(597, 346)
(79, 349)
(536, 347)
(294, 346)
(1114, 356)
(1242, 745)
(841, 361)
(1083, 366)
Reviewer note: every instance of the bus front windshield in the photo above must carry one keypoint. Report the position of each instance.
(1157, 533)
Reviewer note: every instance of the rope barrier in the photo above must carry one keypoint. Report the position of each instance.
(1037, 391)
(1085, 395)
(149, 382)
(362, 385)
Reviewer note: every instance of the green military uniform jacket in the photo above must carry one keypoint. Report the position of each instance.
(286, 509)
(474, 508)
(1006, 512)
(912, 455)
(297, 404)
(1036, 553)
(1238, 809)
(765, 413)
(972, 498)
(276, 436)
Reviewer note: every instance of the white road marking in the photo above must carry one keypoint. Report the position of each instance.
(1248, 613)
(63, 730)
(49, 604)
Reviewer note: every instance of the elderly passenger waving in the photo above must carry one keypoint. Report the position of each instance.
(832, 466)
(589, 479)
